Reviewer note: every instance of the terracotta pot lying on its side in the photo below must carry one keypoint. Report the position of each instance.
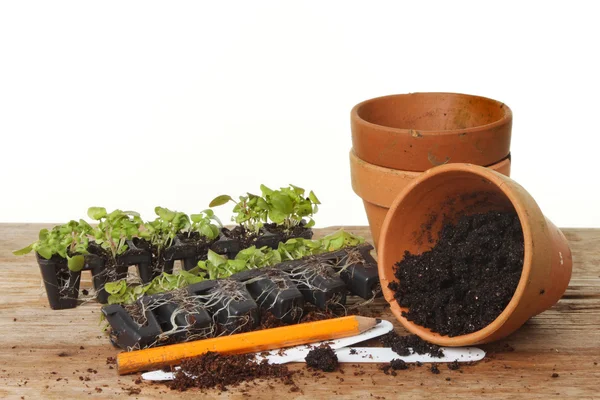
(457, 189)
(379, 186)
(418, 131)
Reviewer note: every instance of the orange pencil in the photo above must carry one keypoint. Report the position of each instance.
(267, 339)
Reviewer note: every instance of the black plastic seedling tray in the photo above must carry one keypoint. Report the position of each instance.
(182, 323)
(128, 334)
(323, 288)
(274, 291)
(63, 287)
(278, 290)
(62, 284)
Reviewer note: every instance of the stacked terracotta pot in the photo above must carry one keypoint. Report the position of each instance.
(396, 138)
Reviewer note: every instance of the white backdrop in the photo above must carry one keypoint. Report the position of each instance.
(135, 104)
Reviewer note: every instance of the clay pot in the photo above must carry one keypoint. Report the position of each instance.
(451, 191)
(379, 186)
(418, 131)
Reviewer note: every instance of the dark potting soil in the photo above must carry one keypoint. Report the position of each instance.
(246, 238)
(311, 314)
(454, 365)
(293, 232)
(201, 242)
(322, 358)
(467, 279)
(394, 365)
(214, 370)
(407, 345)
(268, 321)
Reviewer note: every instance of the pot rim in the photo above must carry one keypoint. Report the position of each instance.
(357, 162)
(356, 118)
(498, 180)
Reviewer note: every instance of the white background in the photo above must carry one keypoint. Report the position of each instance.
(135, 104)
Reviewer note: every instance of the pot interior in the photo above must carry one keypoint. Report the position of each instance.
(438, 200)
(432, 111)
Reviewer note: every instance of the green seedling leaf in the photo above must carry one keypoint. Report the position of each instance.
(216, 259)
(76, 263)
(165, 213)
(45, 251)
(298, 190)
(197, 218)
(276, 216)
(96, 213)
(313, 197)
(118, 287)
(282, 203)
(23, 251)
(220, 200)
(262, 204)
(265, 190)
(43, 235)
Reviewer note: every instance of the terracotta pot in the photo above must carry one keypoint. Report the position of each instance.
(379, 186)
(457, 189)
(418, 131)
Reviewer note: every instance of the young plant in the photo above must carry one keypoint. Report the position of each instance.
(115, 228)
(259, 258)
(217, 266)
(123, 293)
(339, 240)
(296, 248)
(247, 212)
(202, 223)
(69, 241)
(163, 230)
(286, 206)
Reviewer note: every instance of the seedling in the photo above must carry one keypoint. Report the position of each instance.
(163, 230)
(217, 266)
(202, 224)
(116, 228)
(120, 292)
(286, 207)
(68, 241)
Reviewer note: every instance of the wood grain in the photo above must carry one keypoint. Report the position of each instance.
(44, 352)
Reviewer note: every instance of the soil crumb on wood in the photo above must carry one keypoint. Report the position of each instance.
(214, 370)
(467, 279)
(407, 345)
(454, 365)
(434, 369)
(394, 365)
(322, 358)
(132, 391)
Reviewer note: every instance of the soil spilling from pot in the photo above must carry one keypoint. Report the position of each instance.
(322, 358)
(467, 279)
(214, 370)
(407, 345)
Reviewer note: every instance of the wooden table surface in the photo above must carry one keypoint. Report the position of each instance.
(62, 354)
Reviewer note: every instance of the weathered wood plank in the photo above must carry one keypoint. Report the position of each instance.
(39, 346)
